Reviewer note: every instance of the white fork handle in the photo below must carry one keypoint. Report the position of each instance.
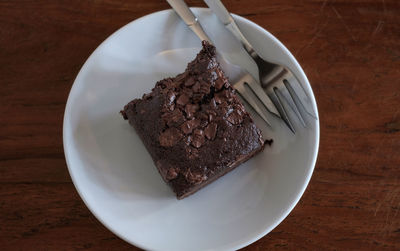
(189, 18)
(222, 13)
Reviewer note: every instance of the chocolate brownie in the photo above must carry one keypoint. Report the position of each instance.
(194, 125)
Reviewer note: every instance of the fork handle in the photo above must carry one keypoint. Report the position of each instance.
(222, 13)
(189, 18)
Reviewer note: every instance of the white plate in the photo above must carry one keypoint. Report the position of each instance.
(115, 175)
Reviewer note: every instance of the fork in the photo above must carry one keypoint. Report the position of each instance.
(276, 80)
(242, 78)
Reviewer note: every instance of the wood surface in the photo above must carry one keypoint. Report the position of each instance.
(349, 49)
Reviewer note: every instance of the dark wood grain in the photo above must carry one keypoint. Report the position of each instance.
(350, 50)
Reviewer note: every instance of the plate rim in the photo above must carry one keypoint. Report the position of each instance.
(308, 176)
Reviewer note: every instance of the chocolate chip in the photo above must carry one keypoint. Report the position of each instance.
(204, 122)
(192, 153)
(191, 109)
(179, 78)
(219, 83)
(235, 117)
(197, 97)
(189, 125)
(147, 96)
(183, 99)
(196, 87)
(218, 99)
(172, 173)
(171, 107)
(170, 137)
(188, 92)
(189, 82)
(202, 65)
(194, 178)
(210, 131)
(213, 104)
(222, 96)
(174, 118)
(227, 94)
(240, 108)
(225, 109)
(204, 87)
(202, 115)
(212, 116)
(167, 84)
(198, 138)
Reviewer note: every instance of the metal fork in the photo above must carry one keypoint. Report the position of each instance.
(276, 80)
(244, 78)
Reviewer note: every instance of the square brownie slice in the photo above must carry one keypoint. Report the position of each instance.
(194, 126)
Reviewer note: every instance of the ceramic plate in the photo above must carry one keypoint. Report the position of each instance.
(115, 175)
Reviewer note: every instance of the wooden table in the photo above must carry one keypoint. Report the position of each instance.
(350, 51)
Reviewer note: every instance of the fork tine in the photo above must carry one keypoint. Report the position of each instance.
(286, 93)
(277, 101)
(239, 87)
(262, 96)
(295, 88)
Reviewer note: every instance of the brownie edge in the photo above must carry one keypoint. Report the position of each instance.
(194, 125)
